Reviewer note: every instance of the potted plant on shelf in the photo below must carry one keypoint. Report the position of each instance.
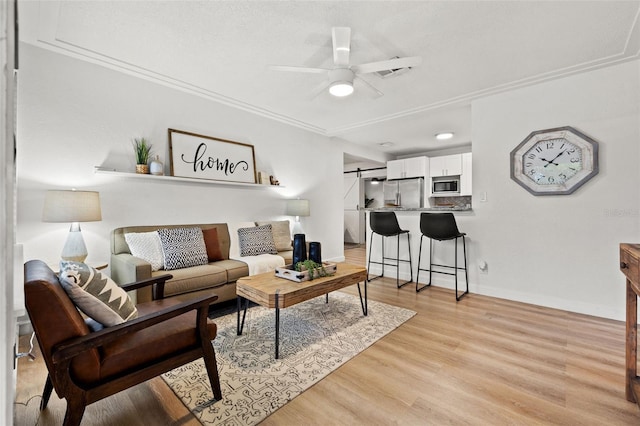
(142, 149)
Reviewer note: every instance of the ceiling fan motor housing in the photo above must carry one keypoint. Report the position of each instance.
(341, 75)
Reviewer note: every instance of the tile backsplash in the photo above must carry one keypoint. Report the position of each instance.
(459, 202)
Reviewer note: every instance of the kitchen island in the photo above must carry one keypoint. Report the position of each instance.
(409, 219)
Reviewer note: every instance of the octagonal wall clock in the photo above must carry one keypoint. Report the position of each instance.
(554, 161)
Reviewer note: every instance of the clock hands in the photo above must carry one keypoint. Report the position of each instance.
(554, 159)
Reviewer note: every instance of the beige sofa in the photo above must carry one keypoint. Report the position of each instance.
(217, 277)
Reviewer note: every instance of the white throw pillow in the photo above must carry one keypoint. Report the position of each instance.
(146, 246)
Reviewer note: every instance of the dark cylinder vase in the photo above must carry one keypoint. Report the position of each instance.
(299, 249)
(315, 253)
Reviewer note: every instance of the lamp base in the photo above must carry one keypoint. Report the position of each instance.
(297, 228)
(74, 248)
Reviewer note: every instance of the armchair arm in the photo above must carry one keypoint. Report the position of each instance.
(65, 351)
(126, 268)
(159, 280)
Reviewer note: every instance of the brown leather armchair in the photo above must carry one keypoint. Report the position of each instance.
(86, 366)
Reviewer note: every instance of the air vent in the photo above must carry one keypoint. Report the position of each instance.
(393, 72)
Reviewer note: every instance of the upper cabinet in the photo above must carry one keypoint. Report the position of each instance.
(447, 165)
(407, 168)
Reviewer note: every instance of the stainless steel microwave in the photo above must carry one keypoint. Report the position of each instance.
(445, 187)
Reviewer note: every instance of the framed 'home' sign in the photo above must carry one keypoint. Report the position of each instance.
(205, 157)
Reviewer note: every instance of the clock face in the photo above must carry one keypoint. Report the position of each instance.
(554, 161)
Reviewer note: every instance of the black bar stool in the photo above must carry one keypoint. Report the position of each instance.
(442, 227)
(385, 224)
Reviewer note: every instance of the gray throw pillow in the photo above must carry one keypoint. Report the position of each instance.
(183, 247)
(95, 294)
(256, 240)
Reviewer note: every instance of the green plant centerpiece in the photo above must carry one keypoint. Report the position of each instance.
(142, 149)
(313, 268)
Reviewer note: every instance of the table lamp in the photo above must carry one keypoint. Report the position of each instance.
(297, 208)
(75, 207)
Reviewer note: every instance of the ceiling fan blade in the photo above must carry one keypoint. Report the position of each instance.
(297, 69)
(390, 64)
(370, 86)
(319, 90)
(341, 45)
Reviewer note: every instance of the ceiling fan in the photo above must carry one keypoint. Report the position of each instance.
(342, 75)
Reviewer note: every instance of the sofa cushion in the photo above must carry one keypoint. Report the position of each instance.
(98, 296)
(281, 233)
(235, 269)
(146, 246)
(256, 240)
(183, 247)
(212, 244)
(199, 277)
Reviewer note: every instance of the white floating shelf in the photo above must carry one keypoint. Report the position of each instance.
(162, 178)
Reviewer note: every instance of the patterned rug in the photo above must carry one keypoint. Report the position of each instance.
(315, 339)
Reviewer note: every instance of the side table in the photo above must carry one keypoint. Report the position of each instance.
(630, 267)
(97, 265)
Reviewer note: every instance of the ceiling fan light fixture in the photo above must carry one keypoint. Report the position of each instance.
(341, 88)
(443, 136)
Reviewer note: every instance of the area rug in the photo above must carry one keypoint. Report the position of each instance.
(315, 339)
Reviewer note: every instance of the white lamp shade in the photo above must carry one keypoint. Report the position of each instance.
(71, 206)
(298, 207)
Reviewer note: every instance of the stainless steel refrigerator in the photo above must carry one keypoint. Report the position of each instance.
(407, 193)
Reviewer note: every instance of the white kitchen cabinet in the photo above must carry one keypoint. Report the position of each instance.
(446, 165)
(395, 169)
(406, 168)
(465, 176)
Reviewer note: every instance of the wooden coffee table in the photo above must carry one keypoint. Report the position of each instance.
(271, 291)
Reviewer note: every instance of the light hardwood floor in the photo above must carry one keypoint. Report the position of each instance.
(481, 361)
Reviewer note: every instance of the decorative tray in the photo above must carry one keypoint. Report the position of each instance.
(289, 273)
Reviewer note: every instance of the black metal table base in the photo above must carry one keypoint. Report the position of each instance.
(240, 324)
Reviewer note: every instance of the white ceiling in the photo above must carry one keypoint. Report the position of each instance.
(221, 50)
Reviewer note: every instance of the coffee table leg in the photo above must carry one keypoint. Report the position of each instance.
(365, 308)
(244, 315)
(277, 323)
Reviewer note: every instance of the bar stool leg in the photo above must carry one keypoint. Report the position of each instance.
(430, 258)
(382, 237)
(398, 261)
(455, 264)
(410, 264)
(466, 270)
(418, 289)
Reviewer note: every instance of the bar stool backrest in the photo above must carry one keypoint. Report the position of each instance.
(439, 226)
(385, 223)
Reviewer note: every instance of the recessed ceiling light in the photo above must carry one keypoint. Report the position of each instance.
(386, 144)
(442, 136)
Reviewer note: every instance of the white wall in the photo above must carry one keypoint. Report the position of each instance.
(558, 251)
(73, 115)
